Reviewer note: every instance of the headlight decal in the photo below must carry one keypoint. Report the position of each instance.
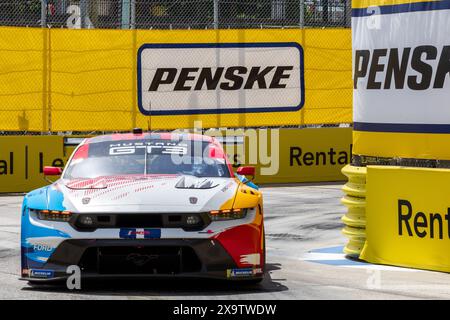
(53, 215)
(227, 214)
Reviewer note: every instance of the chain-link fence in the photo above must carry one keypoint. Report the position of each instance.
(363, 161)
(175, 14)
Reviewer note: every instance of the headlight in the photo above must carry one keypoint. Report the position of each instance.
(86, 220)
(193, 220)
(53, 215)
(227, 214)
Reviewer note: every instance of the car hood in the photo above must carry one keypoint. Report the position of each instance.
(156, 193)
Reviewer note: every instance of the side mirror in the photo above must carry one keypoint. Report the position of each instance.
(52, 171)
(246, 171)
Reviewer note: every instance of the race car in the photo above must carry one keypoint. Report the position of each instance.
(148, 205)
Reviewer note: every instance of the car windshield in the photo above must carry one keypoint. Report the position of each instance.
(141, 157)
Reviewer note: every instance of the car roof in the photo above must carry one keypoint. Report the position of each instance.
(151, 136)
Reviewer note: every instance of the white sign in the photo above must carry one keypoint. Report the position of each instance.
(401, 68)
(220, 78)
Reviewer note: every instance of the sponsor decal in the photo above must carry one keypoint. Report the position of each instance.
(34, 273)
(420, 68)
(326, 157)
(243, 272)
(434, 225)
(137, 233)
(211, 78)
(150, 147)
(42, 247)
(46, 243)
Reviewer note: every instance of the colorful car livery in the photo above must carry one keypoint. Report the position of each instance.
(145, 205)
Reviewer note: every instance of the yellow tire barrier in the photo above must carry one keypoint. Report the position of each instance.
(357, 238)
(356, 212)
(355, 201)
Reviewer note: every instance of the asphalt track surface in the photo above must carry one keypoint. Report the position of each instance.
(304, 260)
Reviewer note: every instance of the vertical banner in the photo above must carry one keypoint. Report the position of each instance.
(401, 88)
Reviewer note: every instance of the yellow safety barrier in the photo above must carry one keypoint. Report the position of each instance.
(408, 217)
(355, 201)
(84, 80)
(292, 155)
(402, 145)
(22, 160)
(280, 156)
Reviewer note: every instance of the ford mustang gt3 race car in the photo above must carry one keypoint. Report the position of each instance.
(145, 205)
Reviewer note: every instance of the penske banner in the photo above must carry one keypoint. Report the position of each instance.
(408, 217)
(91, 80)
(227, 78)
(401, 78)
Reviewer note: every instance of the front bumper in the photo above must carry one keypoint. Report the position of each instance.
(141, 258)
